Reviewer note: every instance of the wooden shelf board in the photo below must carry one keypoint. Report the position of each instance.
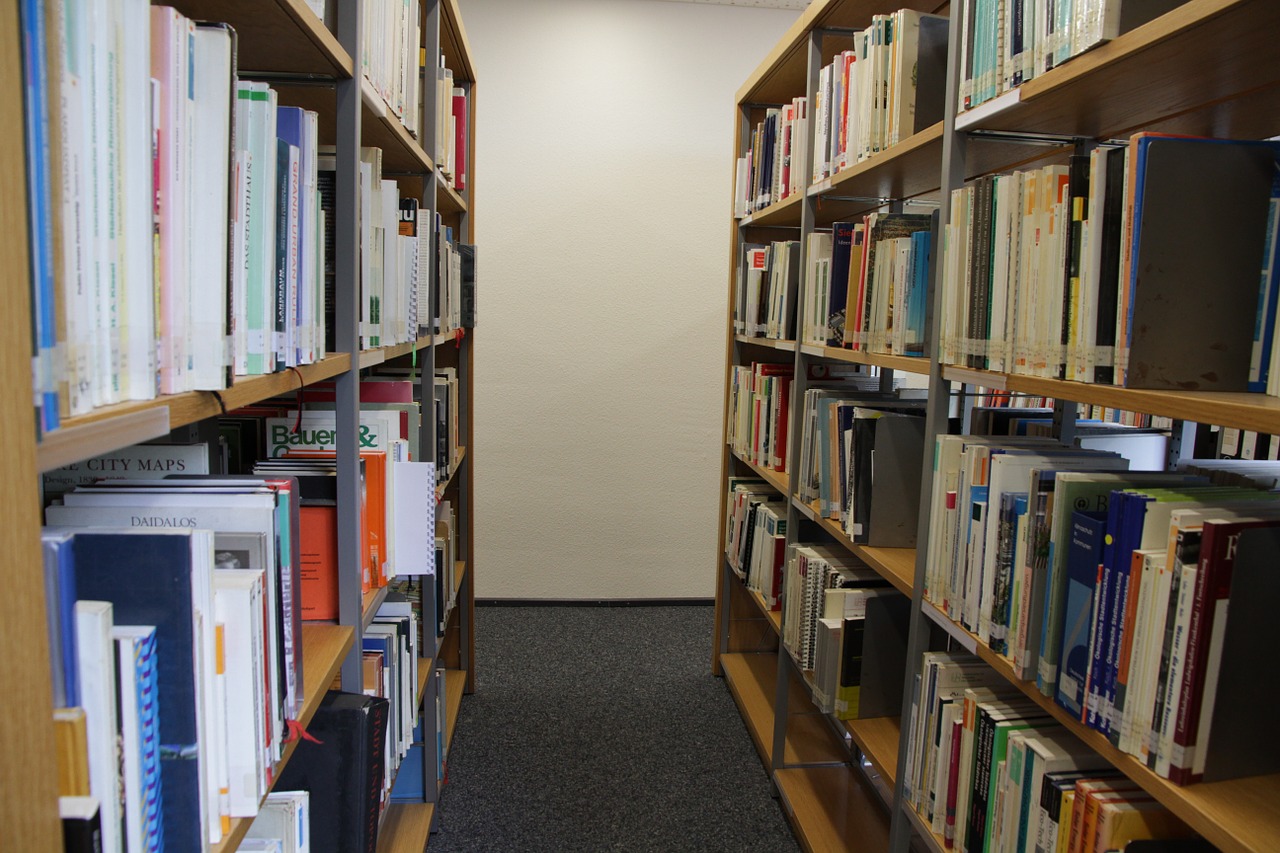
(785, 213)
(454, 45)
(1223, 408)
(193, 406)
(425, 668)
(1239, 815)
(372, 600)
(405, 827)
(896, 565)
(441, 488)
(448, 200)
(878, 737)
(774, 616)
(931, 839)
(910, 171)
(778, 479)
(752, 679)
(323, 649)
(379, 128)
(1160, 73)
(904, 363)
(455, 684)
(277, 37)
(831, 809)
(769, 343)
(781, 76)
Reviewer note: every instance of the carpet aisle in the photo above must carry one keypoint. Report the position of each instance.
(602, 728)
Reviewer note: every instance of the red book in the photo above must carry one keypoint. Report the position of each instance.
(459, 140)
(319, 563)
(1213, 589)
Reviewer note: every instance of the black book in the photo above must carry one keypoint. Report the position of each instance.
(326, 182)
(1078, 210)
(343, 770)
(1110, 229)
(81, 825)
(468, 252)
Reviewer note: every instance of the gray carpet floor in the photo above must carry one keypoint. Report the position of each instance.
(602, 728)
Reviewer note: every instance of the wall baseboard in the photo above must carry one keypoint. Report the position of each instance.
(595, 602)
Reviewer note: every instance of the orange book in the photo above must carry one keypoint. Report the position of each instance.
(319, 558)
(1122, 821)
(1085, 809)
(373, 514)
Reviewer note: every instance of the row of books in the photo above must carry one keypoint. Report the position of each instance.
(156, 140)
(1005, 45)
(860, 458)
(759, 413)
(456, 283)
(390, 56)
(1092, 580)
(214, 669)
(867, 283)
(766, 289)
(1087, 271)
(451, 128)
(886, 87)
(989, 769)
(756, 537)
(813, 575)
(773, 167)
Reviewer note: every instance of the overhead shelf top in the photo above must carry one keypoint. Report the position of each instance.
(276, 36)
(1205, 68)
(454, 46)
(781, 76)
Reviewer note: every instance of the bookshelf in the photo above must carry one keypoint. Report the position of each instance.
(284, 43)
(1198, 69)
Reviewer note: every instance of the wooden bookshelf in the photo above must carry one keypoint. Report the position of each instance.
(1239, 815)
(1163, 75)
(455, 685)
(752, 679)
(1223, 408)
(448, 198)
(767, 343)
(276, 36)
(779, 480)
(904, 363)
(405, 827)
(832, 809)
(122, 424)
(896, 565)
(371, 601)
(878, 738)
(934, 842)
(284, 41)
(323, 648)
(457, 463)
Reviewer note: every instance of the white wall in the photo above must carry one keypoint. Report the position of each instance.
(603, 180)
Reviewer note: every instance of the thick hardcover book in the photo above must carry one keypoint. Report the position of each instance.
(468, 252)
(155, 579)
(838, 293)
(1180, 334)
(1083, 560)
(1234, 734)
(342, 769)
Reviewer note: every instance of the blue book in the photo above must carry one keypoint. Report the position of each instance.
(150, 579)
(60, 610)
(1264, 326)
(35, 68)
(291, 127)
(921, 247)
(1084, 557)
(838, 289)
(140, 728)
(1121, 512)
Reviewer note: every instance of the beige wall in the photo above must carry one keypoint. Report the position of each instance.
(604, 182)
